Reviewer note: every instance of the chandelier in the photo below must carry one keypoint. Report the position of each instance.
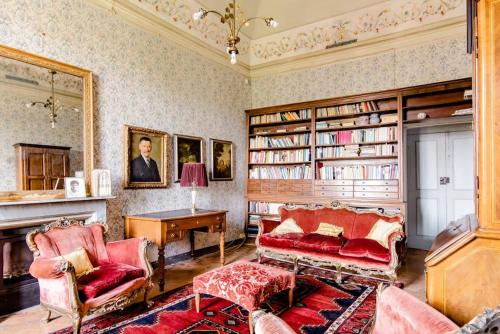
(51, 104)
(235, 20)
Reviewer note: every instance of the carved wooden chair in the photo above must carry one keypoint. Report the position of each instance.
(123, 271)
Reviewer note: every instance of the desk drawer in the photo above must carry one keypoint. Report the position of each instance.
(174, 236)
(189, 223)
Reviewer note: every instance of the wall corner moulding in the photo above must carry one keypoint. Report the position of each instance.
(174, 19)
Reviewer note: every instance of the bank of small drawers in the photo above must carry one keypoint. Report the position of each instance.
(277, 187)
(368, 189)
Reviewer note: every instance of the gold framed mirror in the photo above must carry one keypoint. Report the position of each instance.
(46, 107)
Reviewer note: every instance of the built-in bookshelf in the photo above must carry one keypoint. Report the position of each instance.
(347, 148)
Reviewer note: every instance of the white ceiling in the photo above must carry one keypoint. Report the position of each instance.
(289, 13)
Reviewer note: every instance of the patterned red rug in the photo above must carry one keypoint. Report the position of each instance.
(321, 306)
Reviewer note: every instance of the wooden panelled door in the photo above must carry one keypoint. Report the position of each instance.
(440, 183)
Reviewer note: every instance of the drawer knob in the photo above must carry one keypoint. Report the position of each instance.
(173, 225)
(218, 218)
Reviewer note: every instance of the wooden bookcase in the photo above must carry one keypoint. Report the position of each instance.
(326, 137)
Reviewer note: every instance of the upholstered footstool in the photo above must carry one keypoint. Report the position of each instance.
(244, 283)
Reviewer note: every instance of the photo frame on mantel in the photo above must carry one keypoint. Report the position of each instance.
(186, 149)
(146, 158)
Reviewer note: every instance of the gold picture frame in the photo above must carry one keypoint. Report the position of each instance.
(186, 149)
(221, 160)
(88, 126)
(145, 165)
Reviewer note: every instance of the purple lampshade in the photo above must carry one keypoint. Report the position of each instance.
(194, 175)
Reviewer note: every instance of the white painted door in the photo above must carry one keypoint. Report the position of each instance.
(460, 166)
(440, 183)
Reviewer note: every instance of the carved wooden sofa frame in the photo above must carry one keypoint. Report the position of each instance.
(78, 311)
(397, 241)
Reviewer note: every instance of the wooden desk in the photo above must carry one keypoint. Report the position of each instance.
(168, 226)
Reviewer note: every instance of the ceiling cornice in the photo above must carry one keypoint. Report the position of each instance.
(422, 33)
(455, 27)
(149, 22)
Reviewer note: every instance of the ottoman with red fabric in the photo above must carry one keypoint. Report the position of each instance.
(244, 283)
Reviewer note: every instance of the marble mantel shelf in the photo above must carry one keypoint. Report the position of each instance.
(55, 200)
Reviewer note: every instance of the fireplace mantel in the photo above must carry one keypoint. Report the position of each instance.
(17, 211)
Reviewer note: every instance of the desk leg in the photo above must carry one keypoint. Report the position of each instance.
(191, 240)
(222, 242)
(161, 267)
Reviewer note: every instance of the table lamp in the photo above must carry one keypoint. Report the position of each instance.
(194, 175)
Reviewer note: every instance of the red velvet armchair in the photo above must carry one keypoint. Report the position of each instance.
(123, 270)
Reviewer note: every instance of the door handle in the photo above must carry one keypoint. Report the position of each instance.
(444, 180)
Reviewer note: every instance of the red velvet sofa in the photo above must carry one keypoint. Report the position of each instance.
(349, 251)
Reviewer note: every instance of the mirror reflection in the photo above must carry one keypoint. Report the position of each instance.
(41, 127)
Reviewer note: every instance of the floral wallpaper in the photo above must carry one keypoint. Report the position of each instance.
(22, 125)
(432, 62)
(144, 80)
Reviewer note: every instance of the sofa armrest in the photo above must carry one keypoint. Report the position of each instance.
(396, 242)
(268, 323)
(399, 312)
(267, 225)
(132, 252)
(50, 268)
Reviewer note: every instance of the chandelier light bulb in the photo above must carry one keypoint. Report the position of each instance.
(234, 59)
(274, 23)
(29, 105)
(53, 124)
(198, 15)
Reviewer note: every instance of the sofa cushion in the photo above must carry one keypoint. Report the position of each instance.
(319, 243)
(329, 229)
(287, 226)
(365, 248)
(286, 240)
(381, 231)
(364, 222)
(106, 278)
(340, 217)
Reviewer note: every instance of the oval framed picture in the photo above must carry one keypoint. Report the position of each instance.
(221, 160)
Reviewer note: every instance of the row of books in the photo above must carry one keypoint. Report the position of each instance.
(264, 208)
(348, 122)
(284, 130)
(356, 151)
(281, 173)
(280, 156)
(281, 116)
(360, 172)
(357, 136)
(346, 109)
(288, 141)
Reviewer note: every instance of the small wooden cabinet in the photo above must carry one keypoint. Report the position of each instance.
(41, 167)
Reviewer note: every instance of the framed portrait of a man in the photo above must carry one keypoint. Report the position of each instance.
(186, 149)
(146, 158)
(221, 160)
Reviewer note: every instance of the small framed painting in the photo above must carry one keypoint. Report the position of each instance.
(146, 158)
(221, 160)
(186, 149)
(74, 187)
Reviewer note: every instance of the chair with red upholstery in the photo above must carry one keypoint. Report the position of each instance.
(121, 270)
